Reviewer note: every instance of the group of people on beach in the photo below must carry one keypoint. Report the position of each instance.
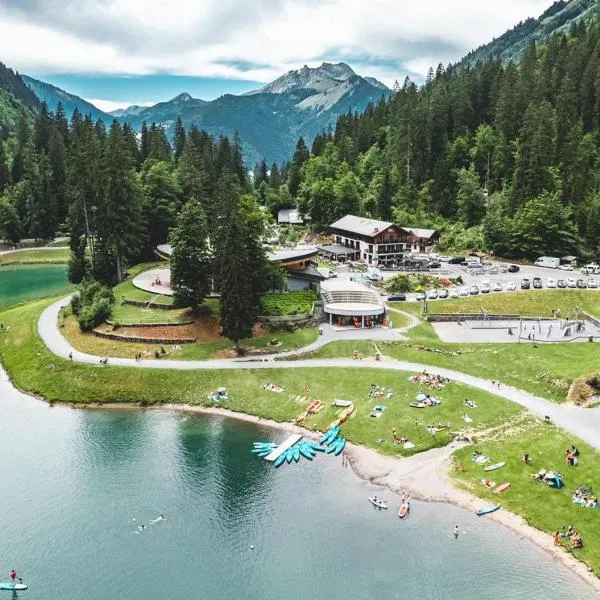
(589, 501)
(572, 534)
(572, 456)
(377, 391)
(398, 439)
(433, 381)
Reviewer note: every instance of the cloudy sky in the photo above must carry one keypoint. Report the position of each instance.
(121, 52)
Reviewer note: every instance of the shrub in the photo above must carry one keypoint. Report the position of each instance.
(92, 304)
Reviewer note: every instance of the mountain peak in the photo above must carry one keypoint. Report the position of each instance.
(322, 79)
(183, 97)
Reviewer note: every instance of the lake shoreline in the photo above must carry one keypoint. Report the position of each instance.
(423, 476)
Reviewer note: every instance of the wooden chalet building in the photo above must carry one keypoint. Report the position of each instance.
(379, 242)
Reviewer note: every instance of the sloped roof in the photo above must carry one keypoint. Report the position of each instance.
(361, 225)
(420, 233)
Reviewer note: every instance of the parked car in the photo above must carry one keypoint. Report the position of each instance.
(513, 268)
(397, 298)
(525, 284)
(421, 296)
(497, 286)
(485, 288)
(454, 292)
(432, 295)
(474, 291)
(592, 283)
(457, 260)
(571, 283)
(581, 284)
(566, 267)
(561, 283)
(537, 283)
(511, 286)
(443, 294)
(445, 259)
(473, 264)
(551, 282)
(463, 292)
(434, 264)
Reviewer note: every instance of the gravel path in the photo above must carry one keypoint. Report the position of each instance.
(582, 422)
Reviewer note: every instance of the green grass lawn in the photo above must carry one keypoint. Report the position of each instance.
(542, 507)
(546, 370)
(36, 256)
(530, 303)
(399, 320)
(34, 369)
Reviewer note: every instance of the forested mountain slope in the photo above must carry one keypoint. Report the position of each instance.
(499, 156)
(557, 19)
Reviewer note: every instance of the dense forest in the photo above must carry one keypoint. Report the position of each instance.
(498, 157)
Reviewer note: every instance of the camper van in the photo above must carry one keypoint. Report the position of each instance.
(547, 261)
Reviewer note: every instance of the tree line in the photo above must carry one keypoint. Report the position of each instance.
(498, 157)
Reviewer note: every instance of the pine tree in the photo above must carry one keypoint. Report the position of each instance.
(301, 155)
(191, 258)
(261, 174)
(119, 222)
(275, 179)
(470, 197)
(144, 142)
(4, 171)
(180, 137)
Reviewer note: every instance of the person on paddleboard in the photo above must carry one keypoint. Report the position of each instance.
(13, 576)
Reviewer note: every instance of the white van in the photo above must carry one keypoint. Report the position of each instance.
(550, 262)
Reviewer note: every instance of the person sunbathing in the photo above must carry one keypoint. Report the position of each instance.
(539, 476)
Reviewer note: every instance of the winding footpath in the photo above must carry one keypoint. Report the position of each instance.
(581, 422)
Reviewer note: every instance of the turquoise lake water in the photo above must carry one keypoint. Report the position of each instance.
(25, 282)
(72, 481)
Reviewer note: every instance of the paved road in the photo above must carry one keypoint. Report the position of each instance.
(584, 423)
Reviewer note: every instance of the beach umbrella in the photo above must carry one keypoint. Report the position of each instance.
(421, 397)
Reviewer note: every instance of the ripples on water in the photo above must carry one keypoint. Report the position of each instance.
(73, 482)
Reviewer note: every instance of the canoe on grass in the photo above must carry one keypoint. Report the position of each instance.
(502, 488)
(404, 509)
(378, 503)
(487, 510)
(494, 467)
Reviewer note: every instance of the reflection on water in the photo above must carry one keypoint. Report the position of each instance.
(75, 486)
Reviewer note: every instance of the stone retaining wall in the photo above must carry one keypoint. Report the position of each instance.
(129, 338)
(165, 324)
(444, 317)
(143, 304)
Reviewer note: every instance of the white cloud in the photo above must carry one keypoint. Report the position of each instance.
(248, 40)
(110, 105)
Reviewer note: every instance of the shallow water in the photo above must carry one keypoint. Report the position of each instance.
(25, 282)
(72, 482)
